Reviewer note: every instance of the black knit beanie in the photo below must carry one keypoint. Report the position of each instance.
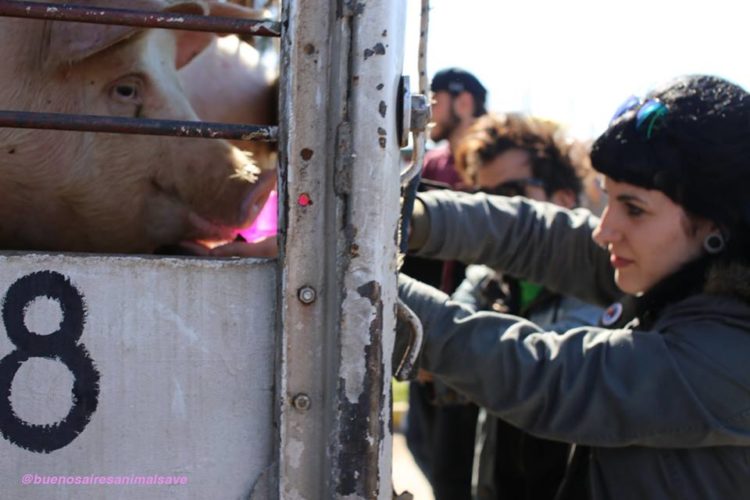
(689, 139)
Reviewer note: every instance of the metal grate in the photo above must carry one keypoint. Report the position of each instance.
(143, 19)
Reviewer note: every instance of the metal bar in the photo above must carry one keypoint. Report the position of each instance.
(144, 126)
(144, 19)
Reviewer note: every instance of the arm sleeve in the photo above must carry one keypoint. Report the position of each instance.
(589, 385)
(539, 242)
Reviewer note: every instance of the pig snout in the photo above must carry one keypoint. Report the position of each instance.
(222, 188)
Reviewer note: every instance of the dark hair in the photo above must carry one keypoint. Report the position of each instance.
(549, 148)
(456, 80)
(697, 151)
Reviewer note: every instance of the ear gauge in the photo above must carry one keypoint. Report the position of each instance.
(714, 243)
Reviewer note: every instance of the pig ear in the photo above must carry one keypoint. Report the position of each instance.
(72, 42)
(190, 43)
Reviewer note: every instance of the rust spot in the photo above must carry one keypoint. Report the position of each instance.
(354, 250)
(382, 108)
(306, 154)
(381, 131)
(385, 33)
(12, 151)
(309, 49)
(380, 86)
(381, 141)
(355, 79)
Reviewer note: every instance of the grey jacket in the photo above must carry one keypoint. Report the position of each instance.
(666, 411)
(530, 467)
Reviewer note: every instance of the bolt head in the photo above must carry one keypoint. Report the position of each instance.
(307, 294)
(301, 402)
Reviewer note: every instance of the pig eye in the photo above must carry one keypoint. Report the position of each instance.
(127, 90)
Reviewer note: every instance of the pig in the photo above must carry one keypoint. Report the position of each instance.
(226, 82)
(73, 191)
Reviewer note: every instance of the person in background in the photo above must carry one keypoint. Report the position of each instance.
(520, 155)
(440, 432)
(458, 99)
(657, 398)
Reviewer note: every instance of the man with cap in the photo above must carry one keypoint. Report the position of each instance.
(458, 99)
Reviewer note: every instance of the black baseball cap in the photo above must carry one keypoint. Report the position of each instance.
(456, 80)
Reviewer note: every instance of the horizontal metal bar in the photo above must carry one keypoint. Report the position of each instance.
(141, 18)
(143, 126)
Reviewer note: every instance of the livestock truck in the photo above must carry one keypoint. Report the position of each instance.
(160, 377)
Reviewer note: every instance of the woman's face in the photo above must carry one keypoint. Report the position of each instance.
(648, 236)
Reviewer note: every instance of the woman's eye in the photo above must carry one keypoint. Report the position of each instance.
(633, 211)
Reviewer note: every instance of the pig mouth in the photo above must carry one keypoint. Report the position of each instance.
(202, 228)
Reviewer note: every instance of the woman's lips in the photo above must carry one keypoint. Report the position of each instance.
(619, 262)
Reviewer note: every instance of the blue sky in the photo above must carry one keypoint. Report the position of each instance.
(575, 61)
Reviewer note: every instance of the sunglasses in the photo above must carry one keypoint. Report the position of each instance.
(647, 116)
(516, 187)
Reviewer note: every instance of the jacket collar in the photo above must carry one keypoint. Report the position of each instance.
(689, 280)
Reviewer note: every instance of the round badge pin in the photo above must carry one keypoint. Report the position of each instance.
(612, 314)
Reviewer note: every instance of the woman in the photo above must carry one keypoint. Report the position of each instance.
(657, 399)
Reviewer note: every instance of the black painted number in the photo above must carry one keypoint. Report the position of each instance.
(60, 345)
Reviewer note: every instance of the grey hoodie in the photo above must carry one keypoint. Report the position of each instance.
(665, 410)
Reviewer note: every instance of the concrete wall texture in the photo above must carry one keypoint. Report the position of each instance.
(153, 376)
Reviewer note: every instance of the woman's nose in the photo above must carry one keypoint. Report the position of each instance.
(605, 233)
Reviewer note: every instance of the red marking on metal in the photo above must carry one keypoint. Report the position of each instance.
(304, 200)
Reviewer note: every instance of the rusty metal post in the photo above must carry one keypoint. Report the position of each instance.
(341, 65)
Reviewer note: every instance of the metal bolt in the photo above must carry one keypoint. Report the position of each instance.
(301, 402)
(307, 294)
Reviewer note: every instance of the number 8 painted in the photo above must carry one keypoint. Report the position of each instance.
(59, 345)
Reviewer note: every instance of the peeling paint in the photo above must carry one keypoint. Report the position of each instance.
(356, 311)
(293, 494)
(294, 451)
(362, 422)
(377, 49)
